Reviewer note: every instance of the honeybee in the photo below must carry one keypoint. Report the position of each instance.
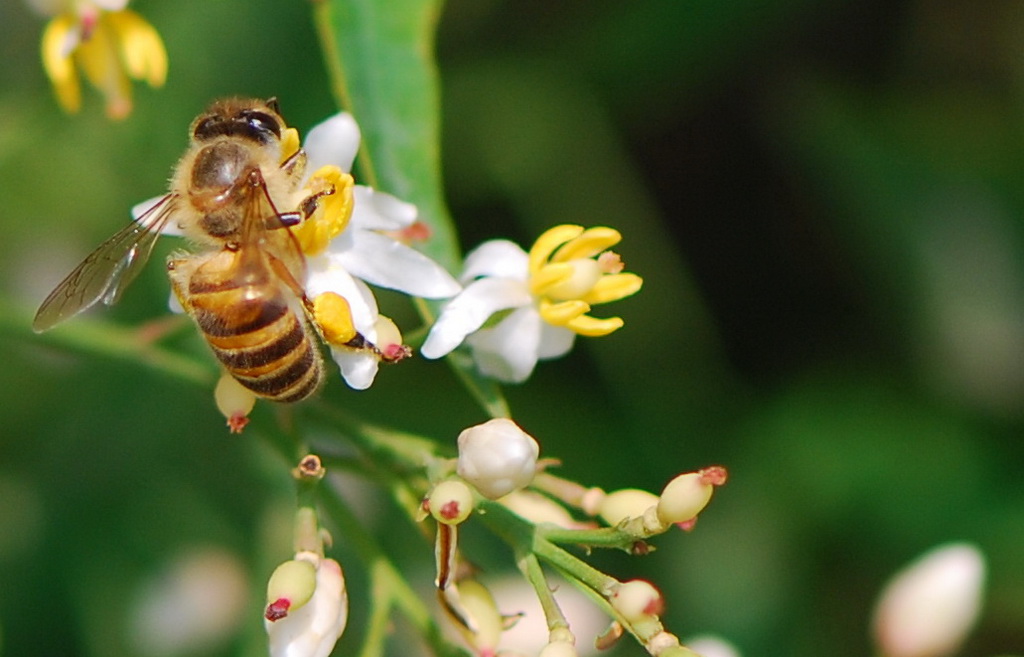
(244, 289)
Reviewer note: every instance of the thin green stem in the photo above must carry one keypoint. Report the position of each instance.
(388, 581)
(529, 565)
(104, 338)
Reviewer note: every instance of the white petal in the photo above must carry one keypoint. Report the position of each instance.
(469, 310)
(555, 341)
(373, 210)
(388, 263)
(326, 274)
(335, 141)
(496, 258)
(357, 368)
(508, 352)
(140, 210)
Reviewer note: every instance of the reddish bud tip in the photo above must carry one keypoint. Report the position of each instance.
(277, 609)
(714, 475)
(393, 353)
(687, 525)
(237, 422)
(450, 510)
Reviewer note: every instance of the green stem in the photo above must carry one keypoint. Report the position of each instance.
(529, 565)
(104, 338)
(389, 585)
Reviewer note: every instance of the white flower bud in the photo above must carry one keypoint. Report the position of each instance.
(928, 608)
(485, 621)
(497, 457)
(637, 600)
(683, 498)
(234, 401)
(624, 504)
(313, 629)
(450, 502)
(559, 649)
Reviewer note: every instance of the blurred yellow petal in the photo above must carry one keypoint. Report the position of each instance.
(612, 288)
(141, 47)
(546, 244)
(588, 244)
(561, 314)
(593, 327)
(100, 61)
(58, 63)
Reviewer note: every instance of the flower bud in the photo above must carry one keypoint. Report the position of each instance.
(624, 504)
(637, 600)
(485, 621)
(290, 586)
(559, 649)
(927, 609)
(497, 457)
(687, 495)
(312, 629)
(234, 401)
(450, 502)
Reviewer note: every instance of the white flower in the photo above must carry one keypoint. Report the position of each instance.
(928, 608)
(537, 301)
(497, 457)
(312, 629)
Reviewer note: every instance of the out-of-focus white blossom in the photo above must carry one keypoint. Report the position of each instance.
(929, 607)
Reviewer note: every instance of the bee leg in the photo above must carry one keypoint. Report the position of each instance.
(295, 165)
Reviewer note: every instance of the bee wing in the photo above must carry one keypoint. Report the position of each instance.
(108, 270)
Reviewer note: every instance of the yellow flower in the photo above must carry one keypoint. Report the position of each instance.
(109, 43)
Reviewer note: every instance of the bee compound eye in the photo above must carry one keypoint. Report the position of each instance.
(207, 127)
(261, 122)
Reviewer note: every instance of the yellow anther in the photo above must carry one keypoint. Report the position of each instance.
(141, 47)
(549, 275)
(334, 202)
(593, 327)
(289, 143)
(561, 314)
(613, 287)
(546, 244)
(588, 244)
(334, 317)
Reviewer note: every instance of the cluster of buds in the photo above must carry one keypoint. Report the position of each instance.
(643, 514)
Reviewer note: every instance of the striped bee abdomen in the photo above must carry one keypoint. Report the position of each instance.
(259, 338)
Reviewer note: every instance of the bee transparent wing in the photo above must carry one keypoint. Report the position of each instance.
(108, 270)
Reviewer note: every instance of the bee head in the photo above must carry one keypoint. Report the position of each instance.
(254, 120)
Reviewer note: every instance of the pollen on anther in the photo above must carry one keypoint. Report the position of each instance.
(610, 262)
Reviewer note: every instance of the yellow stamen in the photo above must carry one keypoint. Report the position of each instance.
(289, 143)
(588, 244)
(613, 287)
(546, 244)
(561, 314)
(58, 63)
(334, 317)
(593, 327)
(549, 275)
(141, 47)
(333, 211)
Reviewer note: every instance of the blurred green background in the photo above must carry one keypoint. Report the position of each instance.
(825, 202)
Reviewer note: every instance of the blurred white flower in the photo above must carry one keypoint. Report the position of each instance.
(929, 607)
(195, 605)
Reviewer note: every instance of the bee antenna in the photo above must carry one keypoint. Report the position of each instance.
(273, 104)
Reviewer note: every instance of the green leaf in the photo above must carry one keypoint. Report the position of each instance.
(380, 59)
